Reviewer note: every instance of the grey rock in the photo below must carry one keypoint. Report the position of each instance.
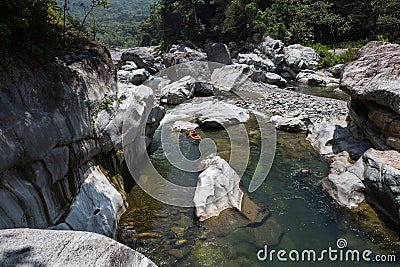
(98, 205)
(255, 60)
(182, 53)
(268, 77)
(373, 83)
(184, 126)
(203, 89)
(231, 77)
(30, 247)
(291, 124)
(336, 70)
(178, 92)
(347, 189)
(317, 78)
(299, 57)
(217, 189)
(271, 47)
(138, 77)
(141, 57)
(219, 53)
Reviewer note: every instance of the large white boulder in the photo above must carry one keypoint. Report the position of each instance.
(231, 77)
(217, 189)
(32, 247)
(97, 207)
(299, 57)
(255, 60)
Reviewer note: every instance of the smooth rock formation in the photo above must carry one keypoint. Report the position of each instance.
(29, 247)
(217, 189)
(317, 78)
(299, 57)
(231, 77)
(257, 61)
(373, 82)
(178, 92)
(346, 188)
(97, 207)
(219, 53)
(54, 121)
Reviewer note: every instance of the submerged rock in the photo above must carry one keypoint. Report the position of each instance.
(217, 189)
(29, 247)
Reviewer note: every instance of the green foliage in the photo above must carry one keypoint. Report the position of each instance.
(31, 26)
(293, 21)
(116, 25)
(328, 59)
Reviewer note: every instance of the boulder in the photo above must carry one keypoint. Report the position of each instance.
(291, 124)
(203, 89)
(97, 207)
(231, 77)
(268, 77)
(299, 57)
(257, 61)
(317, 78)
(141, 57)
(330, 138)
(217, 189)
(346, 188)
(210, 115)
(336, 70)
(31, 247)
(220, 115)
(138, 77)
(130, 65)
(182, 53)
(184, 126)
(178, 92)
(373, 83)
(219, 53)
(270, 47)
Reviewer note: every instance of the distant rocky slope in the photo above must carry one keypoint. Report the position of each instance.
(60, 140)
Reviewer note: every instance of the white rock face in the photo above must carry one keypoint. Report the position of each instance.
(217, 189)
(231, 77)
(291, 124)
(178, 92)
(182, 126)
(31, 247)
(317, 78)
(300, 57)
(209, 114)
(98, 206)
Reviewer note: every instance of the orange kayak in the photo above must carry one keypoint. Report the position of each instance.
(194, 136)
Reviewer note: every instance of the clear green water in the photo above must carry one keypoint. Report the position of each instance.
(319, 91)
(302, 215)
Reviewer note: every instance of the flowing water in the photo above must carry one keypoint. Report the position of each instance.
(302, 215)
